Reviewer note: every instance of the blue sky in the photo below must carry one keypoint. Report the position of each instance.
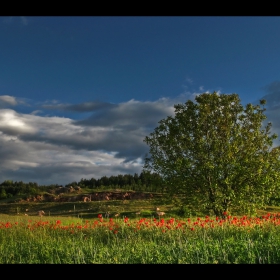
(79, 94)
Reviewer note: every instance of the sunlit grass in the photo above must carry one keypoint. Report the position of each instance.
(206, 239)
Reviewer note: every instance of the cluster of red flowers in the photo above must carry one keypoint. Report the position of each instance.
(243, 221)
(164, 225)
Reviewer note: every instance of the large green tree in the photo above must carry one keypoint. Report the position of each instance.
(218, 153)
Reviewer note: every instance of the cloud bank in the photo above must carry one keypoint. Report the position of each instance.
(50, 146)
(46, 147)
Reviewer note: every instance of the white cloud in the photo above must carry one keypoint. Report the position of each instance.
(59, 150)
(35, 112)
(7, 99)
(13, 123)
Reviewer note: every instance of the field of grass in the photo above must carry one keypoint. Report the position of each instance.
(90, 210)
(130, 232)
(142, 240)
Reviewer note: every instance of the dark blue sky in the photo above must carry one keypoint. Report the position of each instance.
(115, 59)
(64, 81)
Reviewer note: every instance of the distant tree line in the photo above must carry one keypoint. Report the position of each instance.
(9, 189)
(145, 182)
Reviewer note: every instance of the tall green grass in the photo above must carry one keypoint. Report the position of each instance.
(60, 240)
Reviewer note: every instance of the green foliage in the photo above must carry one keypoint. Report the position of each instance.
(147, 213)
(183, 211)
(58, 240)
(145, 182)
(218, 153)
(3, 194)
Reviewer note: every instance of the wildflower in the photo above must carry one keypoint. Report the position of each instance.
(171, 221)
(7, 225)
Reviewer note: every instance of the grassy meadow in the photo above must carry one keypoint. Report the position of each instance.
(140, 240)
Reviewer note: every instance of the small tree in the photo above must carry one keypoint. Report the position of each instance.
(217, 153)
(3, 194)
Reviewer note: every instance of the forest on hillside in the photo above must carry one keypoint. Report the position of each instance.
(145, 182)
